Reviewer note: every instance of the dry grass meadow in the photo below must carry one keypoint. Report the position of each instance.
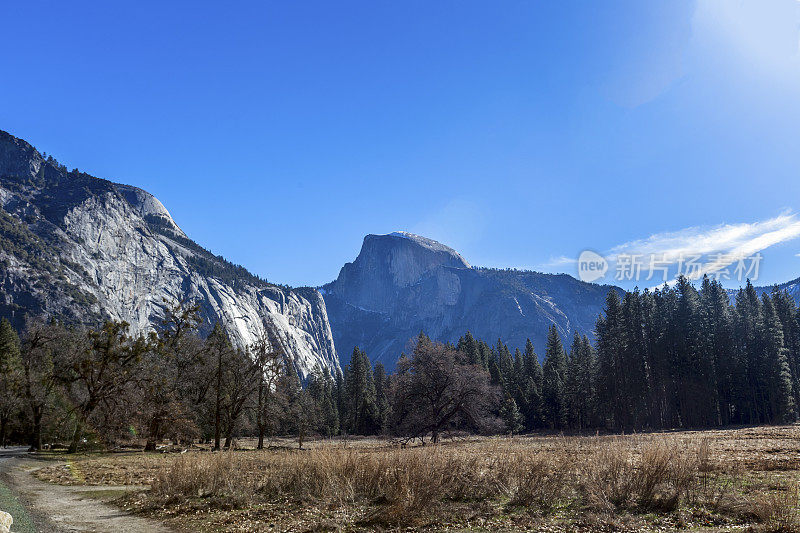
(739, 479)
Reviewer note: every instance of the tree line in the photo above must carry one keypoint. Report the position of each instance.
(674, 357)
(104, 387)
(107, 387)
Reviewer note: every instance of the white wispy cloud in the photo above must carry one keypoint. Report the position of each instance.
(561, 261)
(722, 244)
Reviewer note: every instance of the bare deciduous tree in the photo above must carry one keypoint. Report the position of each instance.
(168, 372)
(103, 364)
(269, 358)
(45, 346)
(437, 389)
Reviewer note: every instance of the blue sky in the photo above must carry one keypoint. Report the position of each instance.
(278, 134)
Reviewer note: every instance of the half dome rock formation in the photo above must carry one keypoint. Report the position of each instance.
(401, 284)
(83, 249)
(388, 263)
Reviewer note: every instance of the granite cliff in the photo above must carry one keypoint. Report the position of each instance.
(401, 284)
(83, 249)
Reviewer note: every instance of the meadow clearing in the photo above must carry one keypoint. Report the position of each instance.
(733, 479)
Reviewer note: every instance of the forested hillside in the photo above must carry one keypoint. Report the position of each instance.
(675, 357)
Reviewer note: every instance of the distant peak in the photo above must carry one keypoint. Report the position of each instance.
(389, 262)
(424, 242)
(418, 238)
(147, 205)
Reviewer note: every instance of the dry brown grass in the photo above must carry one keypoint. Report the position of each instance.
(656, 475)
(408, 486)
(404, 483)
(131, 468)
(623, 483)
(777, 512)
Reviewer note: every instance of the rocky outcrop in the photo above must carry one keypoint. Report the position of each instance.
(388, 263)
(401, 284)
(6, 521)
(82, 249)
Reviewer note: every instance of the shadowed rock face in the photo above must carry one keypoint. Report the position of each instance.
(401, 284)
(83, 249)
(388, 263)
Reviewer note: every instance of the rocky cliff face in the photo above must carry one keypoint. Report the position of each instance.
(388, 263)
(401, 284)
(84, 249)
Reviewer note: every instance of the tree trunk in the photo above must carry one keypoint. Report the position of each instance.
(217, 413)
(228, 433)
(260, 416)
(76, 436)
(153, 434)
(3, 432)
(217, 432)
(36, 434)
(261, 431)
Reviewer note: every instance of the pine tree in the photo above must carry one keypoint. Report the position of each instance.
(554, 373)
(469, 346)
(511, 416)
(580, 382)
(521, 381)
(717, 332)
(533, 403)
(571, 389)
(381, 381)
(749, 324)
(634, 382)
(495, 371)
(362, 409)
(10, 376)
(320, 389)
(786, 309)
(485, 352)
(609, 330)
(779, 378)
(300, 415)
(698, 398)
(330, 412)
(339, 396)
(506, 366)
(664, 411)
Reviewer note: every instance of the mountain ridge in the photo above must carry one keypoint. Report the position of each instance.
(399, 285)
(792, 287)
(83, 249)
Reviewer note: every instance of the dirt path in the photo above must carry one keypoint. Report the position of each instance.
(61, 509)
